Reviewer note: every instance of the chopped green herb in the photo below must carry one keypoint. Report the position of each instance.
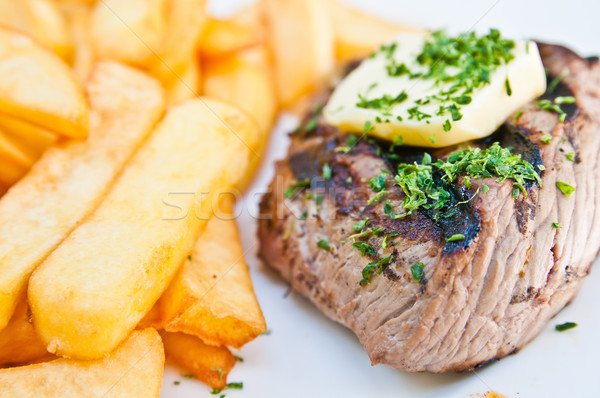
(417, 272)
(323, 244)
(266, 332)
(229, 386)
(220, 371)
(289, 231)
(377, 184)
(326, 171)
(364, 248)
(295, 186)
(564, 100)
(398, 141)
(349, 180)
(359, 226)
(565, 326)
(311, 124)
(565, 188)
(455, 238)
(447, 126)
(383, 104)
(304, 215)
(508, 88)
(485, 188)
(238, 358)
(555, 225)
(432, 139)
(188, 376)
(556, 81)
(570, 156)
(547, 105)
(518, 115)
(546, 139)
(177, 382)
(376, 266)
(368, 127)
(189, 257)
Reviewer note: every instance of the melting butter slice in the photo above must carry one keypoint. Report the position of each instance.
(412, 119)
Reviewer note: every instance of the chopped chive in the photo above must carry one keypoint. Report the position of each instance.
(546, 139)
(508, 88)
(555, 225)
(455, 237)
(565, 326)
(570, 156)
(565, 188)
(359, 226)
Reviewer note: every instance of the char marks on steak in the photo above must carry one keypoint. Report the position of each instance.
(480, 298)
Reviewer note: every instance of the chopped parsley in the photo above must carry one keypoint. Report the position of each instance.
(547, 105)
(565, 188)
(220, 371)
(546, 139)
(359, 226)
(238, 358)
(188, 376)
(266, 332)
(323, 244)
(565, 326)
(570, 156)
(376, 266)
(508, 88)
(296, 186)
(364, 248)
(326, 171)
(229, 386)
(383, 104)
(417, 272)
(177, 382)
(377, 184)
(189, 257)
(556, 225)
(455, 238)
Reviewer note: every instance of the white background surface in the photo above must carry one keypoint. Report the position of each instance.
(308, 355)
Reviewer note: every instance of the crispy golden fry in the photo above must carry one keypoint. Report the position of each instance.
(302, 44)
(10, 172)
(212, 297)
(10, 151)
(40, 19)
(185, 22)
(77, 15)
(134, 369)
(186, 85)
(69, 181)
(39, 87)
(208, 363)
(31, 140)
(19, 342)
(357, 34)
(244, 79)
(128, 30)
(226, 37)
(129, 249)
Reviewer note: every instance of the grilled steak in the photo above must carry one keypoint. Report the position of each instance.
(480, 297)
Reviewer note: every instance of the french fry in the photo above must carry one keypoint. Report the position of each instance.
(39, 87)
(187, 85)
(32, 140)
(357, 34)
(11, 172)
(244, 79)
(19, 342)
(226, 38)
(212, 296)
(134, 369)
(40, 19)
(207, 363)
(128, 30)
(10, 151)
(185, 22)
(69, 181)
(77, 15)
(130, 248)
(302, 44)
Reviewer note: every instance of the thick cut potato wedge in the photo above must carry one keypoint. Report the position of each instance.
(19, 342)
(226, 37)
(212, 296)
(185, 22)
(31, 140)
(9, 150)
(69, 181)
(40, 19)
(78, 14)
(186, 85)
(100, 282)
(128, 30)
(134, 369)
(37, 86)
(357, 34)
(302, 44)
(209, 364)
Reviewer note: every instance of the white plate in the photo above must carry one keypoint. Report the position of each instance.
(307, 355)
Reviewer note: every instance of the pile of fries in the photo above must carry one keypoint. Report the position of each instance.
(127, 128)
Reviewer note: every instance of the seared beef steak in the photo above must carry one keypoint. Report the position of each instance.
(481, 297)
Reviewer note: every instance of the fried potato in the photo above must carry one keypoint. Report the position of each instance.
(9, 150)
(31, 140)
(302, 44)
(185, 22)
(69, 181)
(209, 364)
(19, 342)
(127, 252)
(11, 171)
(128, 30)
(186, 85)
(226, 37)
(244, 79)
(357, 34)
(77, 14)
(212, 296)
(40, 19)
(134, 369)
(39, 87)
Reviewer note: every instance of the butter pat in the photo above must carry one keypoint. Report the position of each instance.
(418, 109)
